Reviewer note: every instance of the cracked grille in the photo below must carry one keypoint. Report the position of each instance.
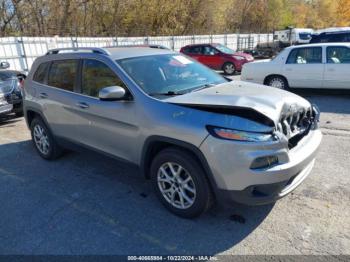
(295, 125)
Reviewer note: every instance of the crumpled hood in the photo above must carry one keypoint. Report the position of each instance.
(269, 101)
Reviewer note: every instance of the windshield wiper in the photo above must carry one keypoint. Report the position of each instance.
(169, 93)
(182, 92)
(202, 87)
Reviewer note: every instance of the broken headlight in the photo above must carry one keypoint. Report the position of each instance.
(238, 135)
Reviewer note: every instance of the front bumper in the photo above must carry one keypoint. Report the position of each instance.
(266, 193)
(239, 64)
(230, 163)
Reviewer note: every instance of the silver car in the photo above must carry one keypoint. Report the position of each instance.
(198, 136)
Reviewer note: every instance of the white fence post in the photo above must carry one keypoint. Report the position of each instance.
(21, 54)
(172, 43)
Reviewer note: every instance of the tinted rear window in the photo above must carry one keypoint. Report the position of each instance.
(6, 75)
(63, 74)
(40, 73)
(193, 49)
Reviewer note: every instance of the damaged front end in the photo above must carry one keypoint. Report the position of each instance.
(296, 122)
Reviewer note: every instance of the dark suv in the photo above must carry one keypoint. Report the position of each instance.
(331, 37)
(11, 82)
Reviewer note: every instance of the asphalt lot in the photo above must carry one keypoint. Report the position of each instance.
(85, 203)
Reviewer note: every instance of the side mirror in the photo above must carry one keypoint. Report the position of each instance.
(112, 93)
(4, 65)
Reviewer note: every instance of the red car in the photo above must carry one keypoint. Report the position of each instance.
(218, 57)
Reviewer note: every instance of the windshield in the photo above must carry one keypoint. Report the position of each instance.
(170, 73)
(225, 49)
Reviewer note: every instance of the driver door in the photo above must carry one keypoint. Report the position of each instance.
(110, 126)
(211, 57)
(337, 67)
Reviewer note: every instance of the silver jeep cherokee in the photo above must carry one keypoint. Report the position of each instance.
(198, 136)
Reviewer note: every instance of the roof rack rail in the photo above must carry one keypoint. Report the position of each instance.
(96, 50)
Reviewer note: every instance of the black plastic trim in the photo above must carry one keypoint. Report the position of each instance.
(145, 158)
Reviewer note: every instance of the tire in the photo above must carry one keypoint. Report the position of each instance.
(19, 114)
(196, 188)
(47, 147)
(278, 82)
(229, 68)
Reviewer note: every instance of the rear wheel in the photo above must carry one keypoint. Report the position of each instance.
(180, 183)
(229, 68)
(43, 140)
(278, 82)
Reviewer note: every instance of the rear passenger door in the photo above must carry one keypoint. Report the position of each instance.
(109, 125)
(211, 57)
(304, 67)
(337, 67)
(55, 84)
(194, 52)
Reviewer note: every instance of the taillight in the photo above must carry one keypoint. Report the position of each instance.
(21, 83)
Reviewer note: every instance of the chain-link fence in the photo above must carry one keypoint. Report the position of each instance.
(20, 52)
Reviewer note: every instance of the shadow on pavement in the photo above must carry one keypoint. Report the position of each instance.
(85, 203)
(7, 120)
(330, 101)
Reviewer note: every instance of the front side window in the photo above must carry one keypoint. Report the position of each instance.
(310, 55)
(208, 50)
(169, 73)
(338, 55)
(225, 49)
(63, 74)
(41, 72)
(97, 75)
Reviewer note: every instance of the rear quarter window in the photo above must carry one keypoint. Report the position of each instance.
(41, 73)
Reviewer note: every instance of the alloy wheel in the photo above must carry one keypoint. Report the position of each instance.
(176, 185)
(229, 68)
(41, 140)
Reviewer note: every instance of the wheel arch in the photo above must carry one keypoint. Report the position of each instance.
(154, 144)
(31, 113)
(275, 75)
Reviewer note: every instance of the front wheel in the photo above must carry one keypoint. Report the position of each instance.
(229, 68)
(180, 183)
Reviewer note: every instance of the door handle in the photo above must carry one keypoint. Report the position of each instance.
(43, 95)
(331, 69)
(289, 69)
(82, 105)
